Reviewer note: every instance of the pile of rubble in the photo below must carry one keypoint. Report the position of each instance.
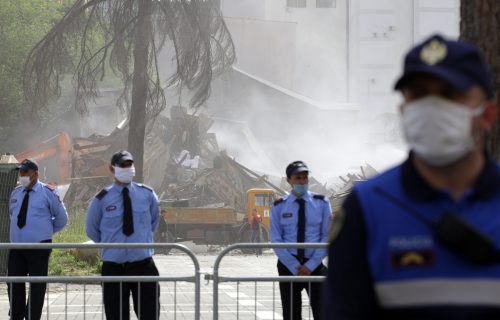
(349, 181)
(182, 162)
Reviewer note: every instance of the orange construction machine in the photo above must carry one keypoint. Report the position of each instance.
(215, 225)
(54, 157)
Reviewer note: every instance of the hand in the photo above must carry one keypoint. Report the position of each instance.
(304, 271)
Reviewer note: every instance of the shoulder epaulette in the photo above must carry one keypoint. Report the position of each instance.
(145, 186)
(319, 196)
(53, 190)
(50, 187)
(280, 200)
(101, 194)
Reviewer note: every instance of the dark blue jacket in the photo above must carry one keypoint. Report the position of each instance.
(386, 262)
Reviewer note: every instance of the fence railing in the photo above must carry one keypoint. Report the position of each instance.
(217, 278)
(196, 278)
(102, 279)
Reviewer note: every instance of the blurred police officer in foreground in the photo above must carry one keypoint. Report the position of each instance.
(421, 240)
(300, 216)
(36, 213)
(126, 212)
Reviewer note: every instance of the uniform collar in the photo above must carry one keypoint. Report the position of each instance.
(35, 188)
(307, 196)
(486, 186)
(120, 187)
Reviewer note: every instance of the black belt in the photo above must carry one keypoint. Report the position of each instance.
(128, 265)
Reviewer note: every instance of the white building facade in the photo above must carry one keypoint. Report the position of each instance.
(337, 53)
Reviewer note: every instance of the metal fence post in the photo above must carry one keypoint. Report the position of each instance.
(8, 181)
(292, 279)
(101, 279)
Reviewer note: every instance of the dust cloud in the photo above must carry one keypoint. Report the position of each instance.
(303, 112)
(331, 142)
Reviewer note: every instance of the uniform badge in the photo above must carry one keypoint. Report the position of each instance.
(413, 258)
(434, 52)
(110, 208)
(412, 251)
(336, 225)
(286, 215)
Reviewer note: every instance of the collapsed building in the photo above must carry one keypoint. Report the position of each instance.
(182, 160)
(212, 193)
(348, 182)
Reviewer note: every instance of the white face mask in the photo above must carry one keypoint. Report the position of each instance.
(24, 181)
(124, 175)
(438, 130)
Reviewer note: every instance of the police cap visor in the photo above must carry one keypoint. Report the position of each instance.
(120, 157)
(296, 167)
(27, 164)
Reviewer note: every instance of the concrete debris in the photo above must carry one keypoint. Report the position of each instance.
(206, 196)
(349, 181)
(182, 160)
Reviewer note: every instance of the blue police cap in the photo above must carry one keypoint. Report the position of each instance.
(457, 62)
(120, 157)
(27, 164)
(296, 167)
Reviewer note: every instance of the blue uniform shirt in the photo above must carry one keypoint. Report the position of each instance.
(46, 214)
(284, 220)
(105, 221)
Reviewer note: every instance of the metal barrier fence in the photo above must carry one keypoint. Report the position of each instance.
(217, 279)
(93, 283)
(101, 279)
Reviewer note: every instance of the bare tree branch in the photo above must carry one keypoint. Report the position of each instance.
(119, 34)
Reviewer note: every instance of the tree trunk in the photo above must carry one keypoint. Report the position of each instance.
(479, 23)
(137, 123)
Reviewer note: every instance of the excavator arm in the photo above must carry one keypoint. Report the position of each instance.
(56, 152)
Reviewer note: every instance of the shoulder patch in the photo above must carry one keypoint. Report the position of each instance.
(101, 194)
(280, 200)
(319, 196)
(50, 187)
(145, 186)
(53, 190)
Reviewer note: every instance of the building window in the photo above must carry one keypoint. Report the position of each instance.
(325, 3)
(296, 3)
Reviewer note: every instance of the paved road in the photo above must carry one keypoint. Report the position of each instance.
(236, 300)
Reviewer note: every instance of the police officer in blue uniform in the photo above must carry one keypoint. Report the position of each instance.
(36, 213)
(422, 240)
(126, 212)
(300, 216)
